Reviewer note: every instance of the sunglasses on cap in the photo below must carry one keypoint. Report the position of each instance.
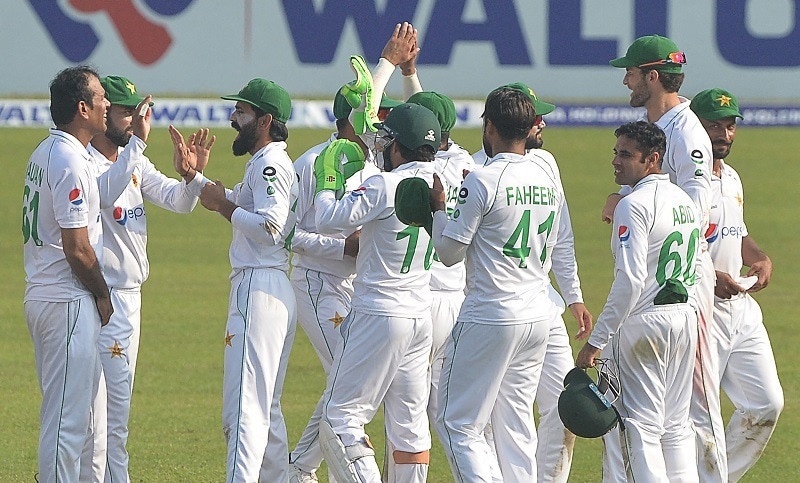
(673, 58)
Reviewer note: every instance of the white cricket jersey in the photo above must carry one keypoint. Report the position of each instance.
(656, 237)
(312, 250)
(394, 259)
(449, 165)
(265, 220)
(562, 261)
(125, 263)
(688, 159)
(61, 191)
(726, 227)
(506, 213)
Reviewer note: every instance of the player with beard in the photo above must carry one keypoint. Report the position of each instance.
(654, 74)
(126, 267)
(747, 371)
(262, 310)
(555, 442)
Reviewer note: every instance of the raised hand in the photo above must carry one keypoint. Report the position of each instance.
(141, 120)
(184, 160)
(200, 144)
(402, 44)
(409, 67)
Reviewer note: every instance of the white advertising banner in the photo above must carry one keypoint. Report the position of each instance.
(468, 47)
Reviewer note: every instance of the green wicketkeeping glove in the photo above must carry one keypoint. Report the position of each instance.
(356, 91)
(335, 164)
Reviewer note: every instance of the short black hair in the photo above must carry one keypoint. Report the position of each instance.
(670, 81)
(277, 130)
(511, 112)
(422, 153)
(67, 89)
(649, 138)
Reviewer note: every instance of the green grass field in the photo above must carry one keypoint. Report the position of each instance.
(175, 428)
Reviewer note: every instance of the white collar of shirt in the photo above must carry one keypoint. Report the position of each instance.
(72, 140)
(508, 157)
(411, 165)
(651, 178)
(670, 115)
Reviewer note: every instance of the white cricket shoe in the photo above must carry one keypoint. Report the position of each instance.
(296, 475)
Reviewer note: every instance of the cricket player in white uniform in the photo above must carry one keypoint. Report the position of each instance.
(647, 324)
(555, 442)
(126, 267)
(63, 243)
(503, 227)
(746, 363)
(386, 338)
(324, 265)
(262, 311)
(654, 75)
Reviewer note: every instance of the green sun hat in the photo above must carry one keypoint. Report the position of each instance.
(412, 203)
(121, 91)
(412, 126)
(267, 96)
(440, 105)
(539, 106)
(653, 51)
(715, 104)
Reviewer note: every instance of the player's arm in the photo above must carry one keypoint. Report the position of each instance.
(272, 218)
(84, 264)
(759, 262)
(450, 249)
(169, 193)
(630, 273)
(411, 84)
(565, 268)
(692, 162)
(364, 204)
(114, 181)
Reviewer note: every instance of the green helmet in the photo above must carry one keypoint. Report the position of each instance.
(582, 407)
(412, 126)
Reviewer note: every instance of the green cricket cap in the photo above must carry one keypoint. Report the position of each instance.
(412, 203)
(653, 51)
(121, 91)
(539, 106)
(412, 126)
(267, 96)
(441, 105)
(715, 104)
(341, 109)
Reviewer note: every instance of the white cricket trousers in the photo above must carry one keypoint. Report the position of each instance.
(490, 374)
(64, 338)
(106, 458)
(749, 378)
(323, 301)
(381, 359)
(653, 352)
(258, 338)
(706, 408)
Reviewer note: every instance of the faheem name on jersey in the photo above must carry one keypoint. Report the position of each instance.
(531, 195)
(682, 214)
